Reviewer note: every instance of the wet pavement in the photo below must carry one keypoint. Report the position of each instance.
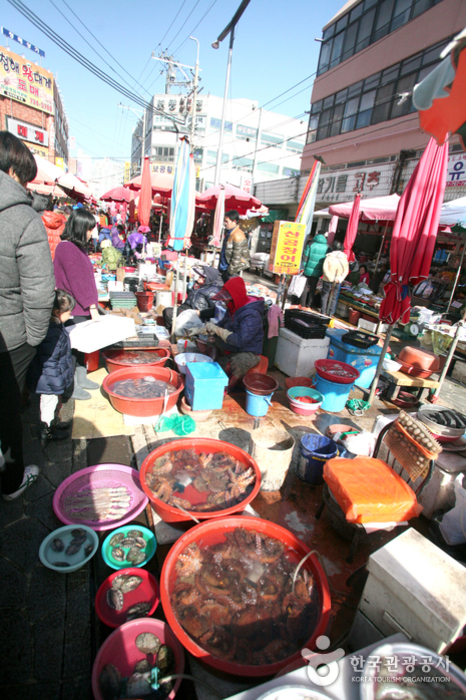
(48, 625)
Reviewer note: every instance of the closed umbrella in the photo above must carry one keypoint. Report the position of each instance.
(145, 195)
(413, 239)
(352, 230)
(305, 212)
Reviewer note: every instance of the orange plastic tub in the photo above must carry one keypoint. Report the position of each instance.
(137, 406)
(118, 359)
(171, 514)
(213, 532)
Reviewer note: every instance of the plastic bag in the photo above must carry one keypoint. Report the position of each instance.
(297, 285)
(186, 320)
(453, 525)
(180, 425)
(361, 444)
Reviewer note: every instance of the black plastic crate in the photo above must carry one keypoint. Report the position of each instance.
(360, 340)
(305, 329)
(293, 314)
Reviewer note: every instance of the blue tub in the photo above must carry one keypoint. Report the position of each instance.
(335, 395)
(364, 360)
(315, 451)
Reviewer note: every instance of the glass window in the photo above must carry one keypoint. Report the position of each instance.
(424, 72)
(401, 13)
(350, 40)
(367, 101)
(384, 15)
(369, 3)
(365, 30)
(372, 82)
(330, 31)
(316, 107)
(325, 52)
(381, 110)
(355, 89)
(313, 121)
(271, 138)
(404, 85)
(421, 6)
(328, 101)
(337, 117)
(325, 117)
(337, 49)
(322, 132)
(351, 107)
(342, 22)
(433, 55)
(411, 64)
(268, 168)
(356, 12)
(390, 73)
(348, 124)
(341, 96)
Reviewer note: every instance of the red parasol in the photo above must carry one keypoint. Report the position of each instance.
(118, 194)
(161, 183)
(352, 230)
(415, 232)
(145, 197)
(234, 198)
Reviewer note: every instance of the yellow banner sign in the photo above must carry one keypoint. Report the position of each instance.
(286, 248)
(23, 81)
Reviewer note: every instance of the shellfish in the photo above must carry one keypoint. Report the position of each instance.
(138, 610)
(109, 682)
(134, 533)
(73, 548)
(116, 539)
(127, 542)
(135, 556)
(61, 564)
(142, 666)
(148, 643)
(119, 580)
(88, 550)
(57, 544)
(130, 584)
(118, 554)
(165, 659)
(79, 535)
(115, 599)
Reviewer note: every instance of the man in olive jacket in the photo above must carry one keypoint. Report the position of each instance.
(234, 256)
(312, 264)
(27, 285)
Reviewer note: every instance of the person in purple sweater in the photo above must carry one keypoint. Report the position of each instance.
(74, 273)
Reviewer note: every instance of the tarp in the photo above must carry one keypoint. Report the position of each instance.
(374, 209)
(454, 213)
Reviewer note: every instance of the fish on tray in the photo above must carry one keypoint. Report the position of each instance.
(99, 504)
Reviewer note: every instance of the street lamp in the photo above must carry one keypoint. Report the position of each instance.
(229, 29)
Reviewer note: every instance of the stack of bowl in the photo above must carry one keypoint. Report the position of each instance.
(304, 400)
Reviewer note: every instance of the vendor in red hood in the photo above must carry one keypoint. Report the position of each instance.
(241, 332)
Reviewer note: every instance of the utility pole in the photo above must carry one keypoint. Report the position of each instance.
(254, 163)
(143, 144)
(195, 84)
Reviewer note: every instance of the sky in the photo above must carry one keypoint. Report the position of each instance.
(274, 50)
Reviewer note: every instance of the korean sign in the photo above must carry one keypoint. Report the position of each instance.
(28, 132)
(163, 168)
(341, 185)
(456, 173)
(286, 248)
(23, 42)
(23, 81)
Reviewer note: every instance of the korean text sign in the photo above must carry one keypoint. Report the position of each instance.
(287, 247)
(23, 81)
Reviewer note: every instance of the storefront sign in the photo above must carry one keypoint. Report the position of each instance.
(23, 81)
(456, 172)
(286, 248)
(28, 132)
(23, 42)
(342, 185)
(162, 168)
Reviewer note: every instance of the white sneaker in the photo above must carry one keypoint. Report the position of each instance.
(31, 474)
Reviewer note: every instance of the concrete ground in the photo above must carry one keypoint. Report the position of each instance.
(48, 626)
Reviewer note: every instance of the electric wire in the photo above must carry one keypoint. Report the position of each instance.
(194, 28)
(179, 30)
(171, 25)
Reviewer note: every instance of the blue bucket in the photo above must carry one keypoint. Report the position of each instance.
(257, 405)
(315, 451)
(335, 394)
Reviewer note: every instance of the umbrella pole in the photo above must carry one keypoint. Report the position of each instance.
(329, 304)
(160, 227)
(381, 248)
(458, 273)
(380, 363)
(185, 275)
(285, 291)
(449, 358)
(175, 305)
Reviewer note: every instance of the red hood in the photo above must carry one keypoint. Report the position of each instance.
(52, 219)
(237, 290)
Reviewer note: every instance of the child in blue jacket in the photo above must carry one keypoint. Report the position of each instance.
(51, 370)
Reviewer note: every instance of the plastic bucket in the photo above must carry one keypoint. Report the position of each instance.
(92, 360)
(354, 317)
(315, 451)
(273, 452)
(163, 297)
(145, 300)
(260, 384)
(257, 405)
(335, 394)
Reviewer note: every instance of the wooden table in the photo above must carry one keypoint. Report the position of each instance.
(358, 306)
(400, 379)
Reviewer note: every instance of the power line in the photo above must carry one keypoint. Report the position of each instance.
(194, 28)
(171, 25)
(179, 30)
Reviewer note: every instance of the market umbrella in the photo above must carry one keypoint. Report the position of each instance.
(352, 230)
(373, 209)
(76, 187)
(234, 198)
(145, 196)
(413, 239)
(47, 172)
(182, 208)
(118, 194)
(53, 190)
(218, 219)
(160, 182)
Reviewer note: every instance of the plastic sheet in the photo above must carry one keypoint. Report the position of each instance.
(368, 490)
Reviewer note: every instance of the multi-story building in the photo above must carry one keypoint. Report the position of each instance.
(257, 144)
(31, 107)
(101, 174)
(362, 121)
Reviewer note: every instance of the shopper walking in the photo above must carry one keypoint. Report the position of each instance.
(26, 298)
(313, 259)
(234, 255)
(335, 270)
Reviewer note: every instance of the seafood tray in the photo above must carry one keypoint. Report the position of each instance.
(127, 595)
(68, 548)
(132, 545)
(102, 497)
(244, 594)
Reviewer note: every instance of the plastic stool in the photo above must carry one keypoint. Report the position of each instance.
(261, 368)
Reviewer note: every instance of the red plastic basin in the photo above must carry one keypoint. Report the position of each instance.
(213, 532)
(147, 591)
(115, 358)
(120, 650)
(170, 514)
(260, 384)
(331, 369)
(137, 406)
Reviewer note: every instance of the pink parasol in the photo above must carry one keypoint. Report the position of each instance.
(161, 183)
(145, 197)
(218, 219)
(234, 198)
(373, 209)
(352, 230)
(118, 194)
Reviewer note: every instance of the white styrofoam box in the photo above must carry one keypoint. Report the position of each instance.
(296, 356)
(115, 286)
(416, 588)
(91, 335)
(147, 270)
(439, 493)
(372, 327)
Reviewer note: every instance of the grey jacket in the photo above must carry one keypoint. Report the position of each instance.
(237, 254)
(27, 282)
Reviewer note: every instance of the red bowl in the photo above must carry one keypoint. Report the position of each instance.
(114, 358)
(120, 650)
(147, 591)
(170, 514)
(326, 369)
(137, 406)
(213, 532)
(407, 368)
(419, 358)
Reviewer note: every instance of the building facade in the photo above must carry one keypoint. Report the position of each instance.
(257, 144)
(31, 107)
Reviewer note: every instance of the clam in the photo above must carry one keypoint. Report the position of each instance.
(110, 682)
(138, 685)
(115, 599)
(116, 539)
(134, 533)
(73, 548)
(57, 544)
(118, 554)
(142, 666)
(165, 659)
(119, 580)
(79, 535)
(140, 542)
(138, 610)
(127, 542)
(135, 556)
(148, 643)
(130, 584)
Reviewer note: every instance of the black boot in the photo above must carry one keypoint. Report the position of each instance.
(49, 433)
(61, 425)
